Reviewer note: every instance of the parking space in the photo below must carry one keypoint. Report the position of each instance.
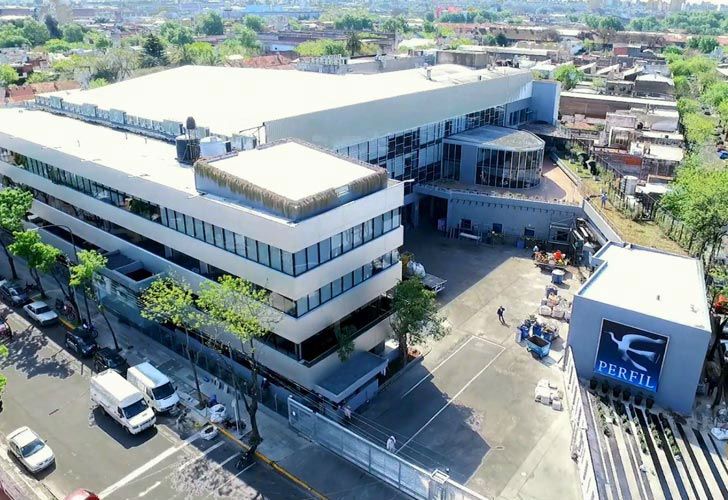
(469, 406)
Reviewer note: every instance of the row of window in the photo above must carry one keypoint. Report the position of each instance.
(293, 264)
(517, 169)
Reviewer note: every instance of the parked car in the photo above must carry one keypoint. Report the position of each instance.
(80, 341)
(31, 450)
(13, 293)
(41, 313)
(82, 494)
(106, 358)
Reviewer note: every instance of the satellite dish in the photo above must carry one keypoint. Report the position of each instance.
(190, 123)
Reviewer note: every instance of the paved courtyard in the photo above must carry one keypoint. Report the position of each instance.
(468, 407)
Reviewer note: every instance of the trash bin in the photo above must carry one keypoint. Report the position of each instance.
(557, 276)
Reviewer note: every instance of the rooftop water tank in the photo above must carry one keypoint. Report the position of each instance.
(629, 185)
(212, 146)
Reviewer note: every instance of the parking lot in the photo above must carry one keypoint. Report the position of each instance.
(468, 407)
(48, 390)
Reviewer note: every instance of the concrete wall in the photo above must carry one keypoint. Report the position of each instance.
(683, 360)
(476, 60)
(545, 99)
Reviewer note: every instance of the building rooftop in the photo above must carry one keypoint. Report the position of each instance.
(641, 101)
(655, 77)
(502, 138)
(637, 279)
(230, 100)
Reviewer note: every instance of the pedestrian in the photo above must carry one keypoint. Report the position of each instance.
(347, 413)
(500, 312)
(604, 199)
(391, 444)
(535, 251)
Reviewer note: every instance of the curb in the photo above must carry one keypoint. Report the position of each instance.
(272, 464)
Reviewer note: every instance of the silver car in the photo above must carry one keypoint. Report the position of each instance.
(32, 451)
(41, 313)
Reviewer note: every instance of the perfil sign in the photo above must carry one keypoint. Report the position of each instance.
(630, 355)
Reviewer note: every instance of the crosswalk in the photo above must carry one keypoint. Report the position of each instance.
(640, 459)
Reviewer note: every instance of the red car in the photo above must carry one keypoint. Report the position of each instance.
(81, 494)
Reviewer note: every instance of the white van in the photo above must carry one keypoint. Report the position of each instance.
(156, 387)
(121, 401)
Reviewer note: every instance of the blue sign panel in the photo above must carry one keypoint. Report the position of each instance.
(630, 355)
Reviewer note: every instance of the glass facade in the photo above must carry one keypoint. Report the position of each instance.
(508, 169)
(451, 161)
(293, 264)
(416, 154)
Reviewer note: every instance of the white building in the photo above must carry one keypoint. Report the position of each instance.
(318, 224)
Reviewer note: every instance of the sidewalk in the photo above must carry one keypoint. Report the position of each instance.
(322, 470)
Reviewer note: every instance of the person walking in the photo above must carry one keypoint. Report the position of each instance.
(535, 251)
(391, 444)
(604, 199)
(500, 312)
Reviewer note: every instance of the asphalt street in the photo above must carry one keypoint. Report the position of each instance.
(48, 390)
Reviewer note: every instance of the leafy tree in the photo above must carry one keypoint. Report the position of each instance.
(501, 39)
(36, 33)
(8, 75)
(97, 82)
(569, 75)
(716, 94)
(3, 378)
(90, 263)
(430, 17)
(353, 44)
(73, 66)
(12, 36)
(154, 54)
(255, 23)
(168, 300)
(40, 77)
(396, 25)
(116, 64)
(345, 339)
(672, 49)
(73, 33)
(52, 25)
(354, 22)
(176, 34)
(698, 129)
(203, 53)
(241, 309)
(415, 316)
(705, 44)
(40, 257)
(246, 36)
(57, 45)
(323, 47)
(14, 205)
(210, 23)
(99, 40)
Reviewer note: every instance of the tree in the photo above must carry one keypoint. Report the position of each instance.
(210, 23)
(39, 77)
(354, 22)
(241, 309)
(115, 65)
(705, 44)
(345, 339)
(90, 263)
(168, 300)
(501, 39)
(14, 205)
(568, 75)
(52, 25)
(97, 82)
(415, 316)
(73, 33)
(3, 378)
(36, 33)
(57, 45)
(322, 47)
(246, 36)
(255, 23)
(395, 25)
(154, 54)
(8, 75)
(353, 44)
(176, 34)
(40, 257)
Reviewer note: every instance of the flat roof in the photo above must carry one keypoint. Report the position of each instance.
(229, 100)
(629, 100)
(293, 170)
(503, 138)
(665, 152)
(650, 282)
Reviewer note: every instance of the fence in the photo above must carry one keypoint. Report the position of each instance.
(12, 488)
(580, 449)
(380, 463)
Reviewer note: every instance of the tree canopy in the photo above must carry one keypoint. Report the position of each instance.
(255, 23)
(39, 256)
(176, 34)
(8, 75)
(705, 44)
(322, 47)
(73, 33)
(569, 75)
(210, 23)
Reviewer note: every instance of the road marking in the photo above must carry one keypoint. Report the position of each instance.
(201, 455)
(145, 467)
(449, 401)
(235, 476)
(228, 459)
(436, 368)
(144, 493)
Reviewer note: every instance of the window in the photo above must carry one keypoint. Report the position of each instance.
(313, 300)
(199, 232)
(189, 225)
(347, 237)
(335, 245)
(357, 234)
(219, 238)
(336, 288)
(299, 260)
(263, 256)
(312, 256)
(377, 226)
(209, 235)
(529, 232)
(287, 261)
(325, 293)
(275, 258)
(368, 230)
(395, 218)
(302, 306)
(229, 241)
(347, 279)
(497, 228)
(251, 249)
(325, 250)
(358, 276)
(387, 224)
(367, 270)
(240, 245)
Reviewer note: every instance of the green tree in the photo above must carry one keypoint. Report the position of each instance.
(255, 23)
(90, 263)
(176, 34)
(705, 44)
(241, 309)
(52, 25)
(698, 129)
(154, 54)
(116, 64)
(57, 45)
(40, 257)
(168, 300)
(14, 205)
(353, 44)
(36, 33)
(73, 33)
(3, 379)
(354, 22)
(97, 82)
(8, 75)
(39, 77)
(246, 36)
(210, 23)
(395, 25)
(12, 36)
(501, 39)
(323, 47)
(415, 317)
(569, 75)
(345, 340)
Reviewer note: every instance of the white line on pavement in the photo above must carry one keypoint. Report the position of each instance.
(452, 399)
(145, 492)
(224, 462)
(145, 467)
(201, 455)
(235, 476)
(435, 368)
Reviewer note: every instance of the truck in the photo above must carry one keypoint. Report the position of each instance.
(411, 268)
(121, 401)
(158, 391)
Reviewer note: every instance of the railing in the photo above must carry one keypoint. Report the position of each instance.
(380, 463)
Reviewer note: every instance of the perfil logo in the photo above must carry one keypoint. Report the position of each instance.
(630, 355)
